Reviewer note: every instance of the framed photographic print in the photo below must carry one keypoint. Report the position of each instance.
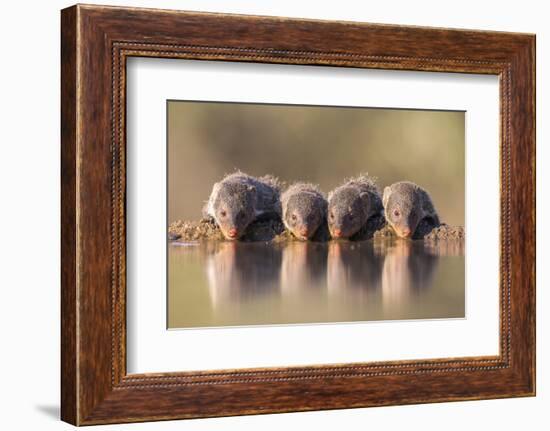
(264, 215)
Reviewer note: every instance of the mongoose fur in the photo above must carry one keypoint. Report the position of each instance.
(352, 206)
(304, 210)
(409, 210)
(240, 199)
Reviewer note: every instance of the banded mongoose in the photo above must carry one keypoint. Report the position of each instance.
(409, 210)
(304, 210)
(353, 206)
(240, 199)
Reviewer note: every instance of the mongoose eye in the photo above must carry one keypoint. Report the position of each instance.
(223, 213)
(331, 215)
(293, 217)
(396, 213)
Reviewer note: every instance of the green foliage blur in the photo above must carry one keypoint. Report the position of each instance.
(322, 145)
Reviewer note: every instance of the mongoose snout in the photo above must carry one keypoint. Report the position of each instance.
(240, 199)
(304, 210)
(406, 232)
(337, 233)
(409, 210)
(352, 205)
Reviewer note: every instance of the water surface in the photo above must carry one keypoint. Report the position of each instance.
(212, 284)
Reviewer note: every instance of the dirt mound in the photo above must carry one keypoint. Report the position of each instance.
(267, 230)
(322, 235)
(446, 232)
(442, 232)
(207, 229)
(385, 233)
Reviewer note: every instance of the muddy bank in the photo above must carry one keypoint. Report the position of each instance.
(274, 230)
(206, 229)
(442, 232)
(446, 232)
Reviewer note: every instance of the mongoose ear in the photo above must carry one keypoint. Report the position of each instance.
(386, 196)
(251, 188)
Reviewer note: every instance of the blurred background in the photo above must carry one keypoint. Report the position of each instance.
(323, 145)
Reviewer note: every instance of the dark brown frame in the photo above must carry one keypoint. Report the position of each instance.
(95, 43)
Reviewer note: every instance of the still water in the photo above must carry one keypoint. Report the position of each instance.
(212, 284)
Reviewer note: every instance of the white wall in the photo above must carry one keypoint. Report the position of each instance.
(29, 215)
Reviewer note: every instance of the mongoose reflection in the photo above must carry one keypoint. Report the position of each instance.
(409, 210)
(354, 267)
(239, 274)
(240, 199)
(304, 210)
(303, 267)
(352, 205)
(409, 267)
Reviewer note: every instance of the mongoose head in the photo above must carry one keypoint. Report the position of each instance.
(403, 206)
(233, 208)
(347, 211)
(303, 213)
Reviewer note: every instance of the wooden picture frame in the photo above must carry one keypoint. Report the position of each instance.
(95, 43)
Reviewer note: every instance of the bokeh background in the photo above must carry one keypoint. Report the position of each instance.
(323, 145)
